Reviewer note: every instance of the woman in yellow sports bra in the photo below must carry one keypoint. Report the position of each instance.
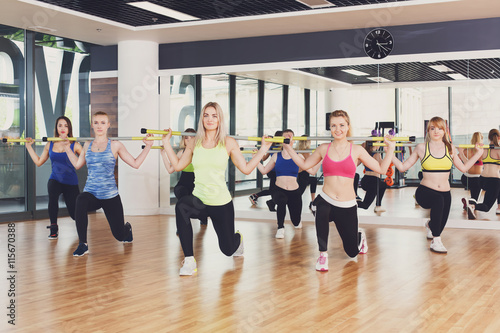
(490, 177)
(437, 155)
(209, 154)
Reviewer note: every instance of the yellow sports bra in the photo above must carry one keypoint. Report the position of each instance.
(490, 160)
(433, 164)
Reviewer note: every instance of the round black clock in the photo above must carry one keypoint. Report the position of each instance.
(378, 43)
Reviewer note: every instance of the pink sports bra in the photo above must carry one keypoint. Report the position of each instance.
(344, 168)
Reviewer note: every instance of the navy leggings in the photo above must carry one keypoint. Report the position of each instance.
(346, 221)
(491, 186)
(69, 192)
(439, 203)
(222, 218)
(113, 209)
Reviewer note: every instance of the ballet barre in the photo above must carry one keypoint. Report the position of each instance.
(491, 146)
(4, 140)
(236, 137)
(352, 138)
(120, 138)
(282, 139)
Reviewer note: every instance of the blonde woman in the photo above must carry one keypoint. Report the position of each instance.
(437, 155)
(490, 177)
(209, 155)
(100, 190)
(337, 202)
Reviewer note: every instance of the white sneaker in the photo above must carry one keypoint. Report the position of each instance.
(188, 266)
(363, 245)
(379, 209)
(429, 231)
(280, 233)
(299, 226)
(498, 211)
(322, 263)
(437, 246)
(239, 250)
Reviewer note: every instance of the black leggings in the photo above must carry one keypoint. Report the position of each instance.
(474, 185)
(292, 199)
(439, 204)
(185, 186)
(305, 179)
(346, 221)
(69, 192)
(491, 186)
(272, 184)
(113, 210)
(222, 218)
(369, 184)
(356, 183)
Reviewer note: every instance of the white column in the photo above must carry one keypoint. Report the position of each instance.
(138, 102)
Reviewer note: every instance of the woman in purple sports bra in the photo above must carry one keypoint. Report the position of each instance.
(337, 202)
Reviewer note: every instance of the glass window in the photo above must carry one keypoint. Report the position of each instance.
(60, 91)
(12, 165)
(296, 110)
(273, 108)
(246, 125)
(182, 112)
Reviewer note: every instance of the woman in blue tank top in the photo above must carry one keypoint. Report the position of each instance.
(287, 191)
(63, 179)
(101, 191)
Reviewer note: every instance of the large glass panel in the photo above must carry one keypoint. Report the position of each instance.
(62, 89)
(296, 110)
(273, 108)
(12, 87)
(182, 112)
(246, 125)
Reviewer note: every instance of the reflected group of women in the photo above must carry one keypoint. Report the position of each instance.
(202, 191)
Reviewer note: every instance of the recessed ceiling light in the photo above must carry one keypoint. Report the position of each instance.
(457, 76)
(441, 68)
(355, 72)
(379, 79)
(316, 3)
(163, 11)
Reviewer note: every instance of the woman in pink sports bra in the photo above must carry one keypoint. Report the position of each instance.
(337, 202)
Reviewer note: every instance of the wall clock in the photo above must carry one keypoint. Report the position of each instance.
(378, 43)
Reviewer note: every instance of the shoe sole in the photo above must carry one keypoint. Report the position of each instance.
(252, 201)
(52, 238)
(80, 255)
(322, 270)
(470, 213)
(195, 270)
(435, 251)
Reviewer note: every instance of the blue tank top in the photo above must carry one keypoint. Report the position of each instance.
(101, 173)
(62, 169)
(285, 167)
(367, 168)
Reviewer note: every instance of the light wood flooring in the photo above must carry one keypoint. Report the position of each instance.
(399, 286)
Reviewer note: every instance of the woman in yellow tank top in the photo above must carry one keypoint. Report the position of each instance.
(209, 154)
(437, 155)
(490, 178)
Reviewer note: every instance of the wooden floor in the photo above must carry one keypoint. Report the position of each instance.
(399, 286)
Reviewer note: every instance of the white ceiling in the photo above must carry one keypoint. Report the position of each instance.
(29, 13)
(33, 15)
